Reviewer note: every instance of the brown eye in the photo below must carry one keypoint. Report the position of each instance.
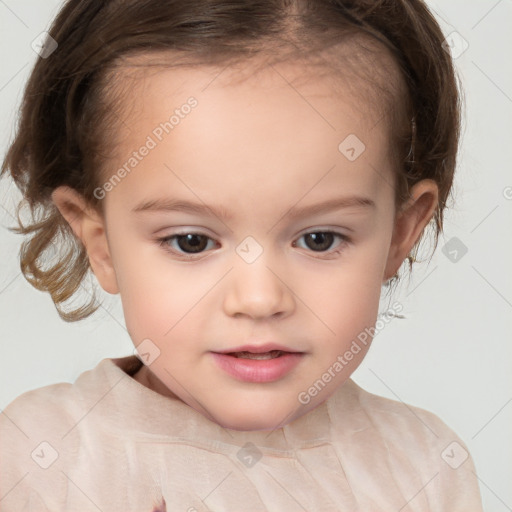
(320, 241)
(189, 243)
(192, 243)
(323, 242)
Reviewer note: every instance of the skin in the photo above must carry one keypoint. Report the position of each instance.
(258, 148)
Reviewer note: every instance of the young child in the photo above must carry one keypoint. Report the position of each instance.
(246, 176)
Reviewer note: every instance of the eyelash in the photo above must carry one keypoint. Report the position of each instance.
(164, 243)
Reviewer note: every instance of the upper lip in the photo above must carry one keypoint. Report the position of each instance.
(258, 349)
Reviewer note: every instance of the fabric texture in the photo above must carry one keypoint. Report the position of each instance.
(108, 443)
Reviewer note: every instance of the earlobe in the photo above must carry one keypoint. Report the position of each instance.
(89, 227)
(410, 223)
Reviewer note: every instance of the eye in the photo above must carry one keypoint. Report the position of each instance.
(189, 244)
(186, 243)
(322, 241)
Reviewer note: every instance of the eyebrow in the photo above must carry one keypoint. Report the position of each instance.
(175, 205)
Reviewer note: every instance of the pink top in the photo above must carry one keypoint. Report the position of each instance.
(108, 443)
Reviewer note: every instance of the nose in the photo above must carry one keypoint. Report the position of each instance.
(257, 291)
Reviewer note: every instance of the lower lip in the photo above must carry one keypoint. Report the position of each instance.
(258, 370)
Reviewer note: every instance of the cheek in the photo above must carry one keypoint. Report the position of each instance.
(156, 301)
(166, 302)
(155, 294)
(347, 300)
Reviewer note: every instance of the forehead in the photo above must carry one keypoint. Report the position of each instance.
(256, 125)
(359, 67)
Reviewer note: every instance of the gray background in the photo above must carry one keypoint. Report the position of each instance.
(452, 355)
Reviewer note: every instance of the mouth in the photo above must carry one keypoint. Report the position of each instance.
(270, 350)
(261, 356)
(257, 363)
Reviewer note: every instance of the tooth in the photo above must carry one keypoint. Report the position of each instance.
(260, 356)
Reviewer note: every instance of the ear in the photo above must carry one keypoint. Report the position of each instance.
(89, 228)
(410, 223)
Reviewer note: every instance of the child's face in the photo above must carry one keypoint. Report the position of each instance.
(259, 151)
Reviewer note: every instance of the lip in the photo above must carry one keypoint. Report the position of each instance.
(257, 370)
(258, 349)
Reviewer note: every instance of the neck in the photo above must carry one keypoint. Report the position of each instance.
(147, 378)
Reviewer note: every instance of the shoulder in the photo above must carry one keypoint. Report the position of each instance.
(55, 406)
(36, 418)
(404, 427)
(31, 430)
(33, 408)
(395, 417)
(51, 409)
(41, 435)
(419, 449)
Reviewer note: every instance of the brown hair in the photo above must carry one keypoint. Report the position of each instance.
(67, 110)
